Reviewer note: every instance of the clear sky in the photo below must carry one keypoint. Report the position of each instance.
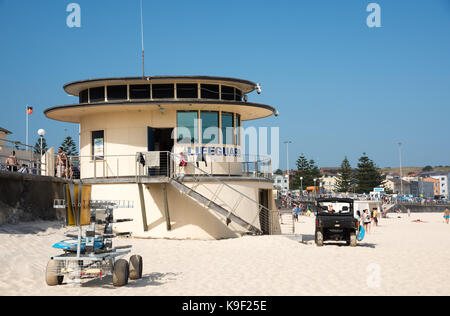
(341, 87)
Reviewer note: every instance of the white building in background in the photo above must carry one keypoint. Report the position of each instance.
(444, 183)
(281, 182)
(329, 183)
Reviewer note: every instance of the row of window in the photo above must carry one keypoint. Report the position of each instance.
(161, 91)
(214, 127)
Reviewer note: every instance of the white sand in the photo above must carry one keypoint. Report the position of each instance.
(398, 258)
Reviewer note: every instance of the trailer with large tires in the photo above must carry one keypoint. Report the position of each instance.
(90, 253)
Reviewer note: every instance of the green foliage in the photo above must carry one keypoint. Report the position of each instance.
(427, 169)
(306, 169)
(345, 178)
(69, 146)
(37, 146)
(368, 175)
(278, 172)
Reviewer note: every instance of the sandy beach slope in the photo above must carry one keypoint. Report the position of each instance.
(399, 257)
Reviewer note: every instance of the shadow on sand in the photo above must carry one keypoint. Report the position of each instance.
(310, 240)
(30, 228)
(153, 279)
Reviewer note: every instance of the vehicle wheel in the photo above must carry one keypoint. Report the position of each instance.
(135, 267)
(353, 240)
(120, 273)
(319, 239)
(51, 276)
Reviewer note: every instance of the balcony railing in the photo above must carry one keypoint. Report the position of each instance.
(164, 164)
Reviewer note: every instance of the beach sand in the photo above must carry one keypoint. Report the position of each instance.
(398, 258)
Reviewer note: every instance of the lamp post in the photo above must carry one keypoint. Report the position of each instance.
(41, 134)
(301, 186)
(401, 169)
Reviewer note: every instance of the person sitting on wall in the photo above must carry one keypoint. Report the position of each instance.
(61, 163)
(12, 163)
(24, 169)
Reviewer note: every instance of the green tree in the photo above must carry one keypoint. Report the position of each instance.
(427, 169)
(346, 176)
(306, 169)
(278, 172)
(368, 175)
(69, 147)
(37, 146)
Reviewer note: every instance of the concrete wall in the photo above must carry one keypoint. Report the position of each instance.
(415, 208)
(28, 198)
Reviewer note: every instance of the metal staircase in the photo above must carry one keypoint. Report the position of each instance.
(214, 206)
(215, 203)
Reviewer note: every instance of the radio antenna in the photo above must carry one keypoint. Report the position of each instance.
(142, 42)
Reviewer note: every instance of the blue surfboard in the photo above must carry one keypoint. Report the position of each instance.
(72, 244)
(362, 233)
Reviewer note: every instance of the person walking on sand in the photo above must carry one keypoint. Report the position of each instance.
(280, 218)
(447, 216)
(366, 221)
(375, 217)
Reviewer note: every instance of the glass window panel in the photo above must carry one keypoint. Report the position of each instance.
(227, 93)
(140, 91)
(187, 127)
(187, 91)
(84, 96)
(97, 94)
(227, 128)
(117, 93)
(238, 129)
(210, 91)
(238, 95)
(163, 91)
(210, 127)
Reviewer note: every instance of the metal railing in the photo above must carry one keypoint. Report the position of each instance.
(162, 164)
(215, 195)
(28, 158)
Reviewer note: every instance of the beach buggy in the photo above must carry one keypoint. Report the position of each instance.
(91, 255)
(335, 221)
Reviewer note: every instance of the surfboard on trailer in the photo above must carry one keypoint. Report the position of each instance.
(71, 245)
(361, 234)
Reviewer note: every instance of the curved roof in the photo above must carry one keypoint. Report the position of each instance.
(5, 131)
(75, 87)
(72, 113)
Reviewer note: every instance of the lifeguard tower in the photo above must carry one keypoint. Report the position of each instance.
(173, 146)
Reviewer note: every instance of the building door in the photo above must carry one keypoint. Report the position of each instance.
(160, 140)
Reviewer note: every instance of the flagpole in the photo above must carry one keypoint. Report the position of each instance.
(26, 136)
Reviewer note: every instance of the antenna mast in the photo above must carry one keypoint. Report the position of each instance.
(142, 43)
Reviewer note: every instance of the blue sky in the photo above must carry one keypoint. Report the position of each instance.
(341, 87)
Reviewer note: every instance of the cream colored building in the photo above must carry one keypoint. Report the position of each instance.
(172, 146)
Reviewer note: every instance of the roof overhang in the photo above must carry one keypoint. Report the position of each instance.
(74, 112)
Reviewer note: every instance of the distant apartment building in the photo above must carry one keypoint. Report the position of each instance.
(443, 178)
(394, 185)
(436, 185)
(281, 182)
(422, 189)
(329, 183)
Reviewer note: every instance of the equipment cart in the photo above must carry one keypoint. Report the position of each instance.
(93, 255)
